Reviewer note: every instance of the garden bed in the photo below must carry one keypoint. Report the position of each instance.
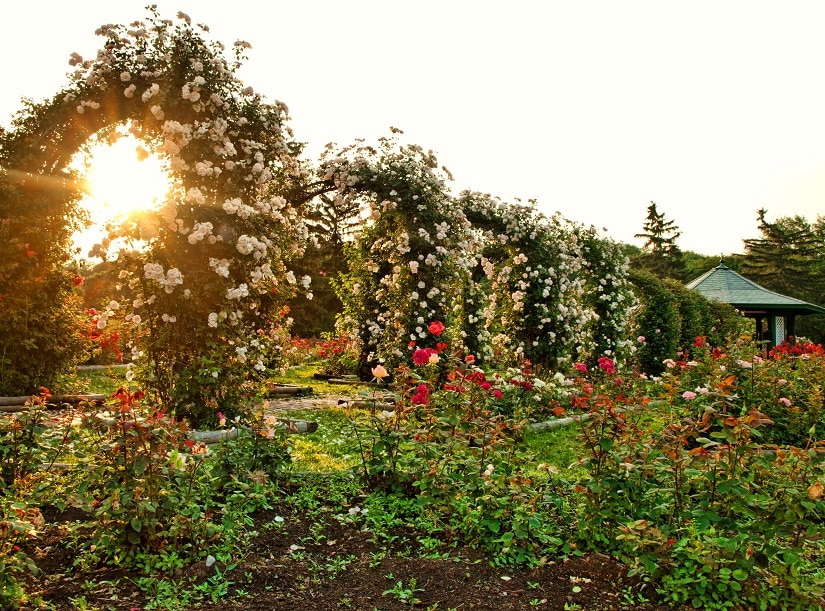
(295, 564)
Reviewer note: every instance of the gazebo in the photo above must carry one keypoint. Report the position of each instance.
(774, 313)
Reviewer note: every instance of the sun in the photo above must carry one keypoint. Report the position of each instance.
(122, 179)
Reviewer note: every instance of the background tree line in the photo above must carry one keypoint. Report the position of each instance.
(788, 257)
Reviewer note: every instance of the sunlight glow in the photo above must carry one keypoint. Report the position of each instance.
(123, 179)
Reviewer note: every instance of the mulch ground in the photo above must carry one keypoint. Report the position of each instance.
(292, 565)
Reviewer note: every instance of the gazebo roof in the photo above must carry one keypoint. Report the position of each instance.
(725, 285)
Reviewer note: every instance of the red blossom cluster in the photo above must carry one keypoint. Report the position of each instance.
(525, 384)
(334, 347)
(787, 348)
(436, 328)
(607, 364)
(106, 340)
(422, 356)
(457, 378)
(422, 392)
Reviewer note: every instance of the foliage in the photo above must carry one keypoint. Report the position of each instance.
(41, 327)
(331, 221)
(696, 501)
(673, 476)
(448, 446)
(508, 283)
(657, 322)
(141, 489)
(409, 262)
(671, 317)
(339, 355)
(787, 387)
(18, 522)
(696, 264)
(557, 290)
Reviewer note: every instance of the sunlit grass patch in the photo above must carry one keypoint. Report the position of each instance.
(106, 381)
(333, 447)
(302, 375)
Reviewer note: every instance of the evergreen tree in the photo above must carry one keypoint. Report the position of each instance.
(331, 221)
(660, 255)
(789, 258)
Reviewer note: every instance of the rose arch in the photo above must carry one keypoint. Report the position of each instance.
(202, 278)
(508, 283)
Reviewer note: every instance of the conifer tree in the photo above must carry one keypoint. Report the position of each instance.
(784, 259)
(660, 255)
(789, 258)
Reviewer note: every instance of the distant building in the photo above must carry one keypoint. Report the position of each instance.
(774, 314)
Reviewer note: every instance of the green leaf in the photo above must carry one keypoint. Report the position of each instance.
(606, 443)
(740, 574)
(136, 524)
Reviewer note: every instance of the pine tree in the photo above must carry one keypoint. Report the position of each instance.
(784, 259)
(789, 258)
(660, 255)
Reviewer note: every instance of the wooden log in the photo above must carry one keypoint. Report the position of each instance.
(11, 409)
(14, 400)
(209, 437)
(288, 389)
(76, 398)
(298, 426)
(52, 400)
(551, 424)
(370, 404)
(357, 382)
(287, 424)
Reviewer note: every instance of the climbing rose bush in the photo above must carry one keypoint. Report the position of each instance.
(412, 260)
(508, 283)
(200, 276)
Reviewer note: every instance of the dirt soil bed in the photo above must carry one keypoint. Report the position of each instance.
(292, 564)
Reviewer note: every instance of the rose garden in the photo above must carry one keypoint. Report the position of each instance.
(517, 390)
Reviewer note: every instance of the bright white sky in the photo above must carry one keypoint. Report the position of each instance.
(595, 108)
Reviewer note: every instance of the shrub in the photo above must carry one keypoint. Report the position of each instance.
(41, 325)
(658, 322)
(696, 499)
(448, 445)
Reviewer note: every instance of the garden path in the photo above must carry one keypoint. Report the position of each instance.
(302, 403)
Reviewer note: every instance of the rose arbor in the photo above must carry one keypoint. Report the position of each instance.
(509, 283)
(202, 277)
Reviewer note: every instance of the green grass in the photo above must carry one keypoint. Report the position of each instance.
(333, 447)
(94, 381)
(301, 375)
(559, 447)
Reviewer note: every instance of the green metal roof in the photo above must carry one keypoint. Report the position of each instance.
(725, 285)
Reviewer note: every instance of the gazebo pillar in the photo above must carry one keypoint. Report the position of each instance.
(790, 328)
